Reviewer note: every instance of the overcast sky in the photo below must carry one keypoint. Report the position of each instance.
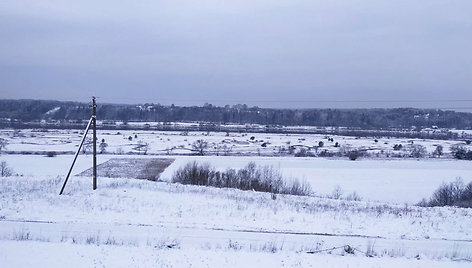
(270, 53)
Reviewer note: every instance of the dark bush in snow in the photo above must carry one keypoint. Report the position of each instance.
(303, 152)
(326, 153)
(459, 151)
(194, 173)
(251, 177)
(451, 194)
(397, 147)
(353, 155)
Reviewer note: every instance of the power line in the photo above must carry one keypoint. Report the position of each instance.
(286, 101)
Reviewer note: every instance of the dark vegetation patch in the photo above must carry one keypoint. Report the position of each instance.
(455, 193)
(137, 168)
(251, 177)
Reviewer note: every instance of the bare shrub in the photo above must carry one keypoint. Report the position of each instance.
(92, 240)
(22, 235)
(227, 149)
(451, 194)
(459, 151)
(141, 146)
(353, 197)
(295, 187)
(417, 151)
(353, 155)
(234, 245)
(438, 151)
(3, 144)
(103, 147)
(467, 192)
(337, 192)
(87, 146)
(5, 171)
(271, 246)
(447, 194)
(303, 152)
(251, 177)
(194, 173)
(326, 153)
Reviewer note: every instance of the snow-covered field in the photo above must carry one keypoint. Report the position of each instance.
(395, 181)
(220, 143)
(138, 223)
(154, 222)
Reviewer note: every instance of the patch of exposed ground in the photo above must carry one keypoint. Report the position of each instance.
(138, 168)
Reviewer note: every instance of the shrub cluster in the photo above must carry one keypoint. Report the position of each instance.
(459, 151)
(455, 193)
(303, 152)
(251, 177)
(353, 155)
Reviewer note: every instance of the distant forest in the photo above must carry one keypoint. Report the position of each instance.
(36, 110)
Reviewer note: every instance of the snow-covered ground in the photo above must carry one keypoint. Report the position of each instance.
(75, 255)
(159, 221)
(220, 143)
(138, 223)
(396, 181)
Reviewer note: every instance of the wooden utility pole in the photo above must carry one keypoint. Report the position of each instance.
(94, 121)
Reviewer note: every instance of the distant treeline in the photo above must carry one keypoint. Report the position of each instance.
(35, 110)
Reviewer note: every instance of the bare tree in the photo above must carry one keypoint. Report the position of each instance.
(103, 146)
(200, 146)
(5, 171)
(418, 151)
(87, 145)
(142, 147)
(3, 144)
(227, 149)
(438, 151)
(337, 192)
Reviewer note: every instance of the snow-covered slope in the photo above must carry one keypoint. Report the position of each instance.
(166, 219)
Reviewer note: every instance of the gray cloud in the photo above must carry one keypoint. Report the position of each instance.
(266, 53)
